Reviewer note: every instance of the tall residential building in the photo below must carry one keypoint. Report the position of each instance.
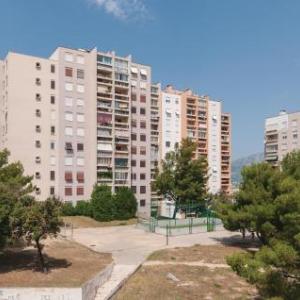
(281, 136)
(78, 118)
(188, 115)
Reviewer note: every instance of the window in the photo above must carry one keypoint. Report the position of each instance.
(68, 116)
(52, 99)
(133, 109)
(52, 129)
(142, 111)
(80, 74)
(133, 97)
(69, 147)
(143, 124)
(133, 150)
(38, 128)
(133, 176)
(38, 66)
(68, 72)
(69, 131)
(143, 150)
(52, 190)
(80, 161)
(80, 147)
(142, 176)
(133, 163)
(143, 138)
(68, 161)
(133, 123)
(143, 85)
(80, 59)
(295, 136)
(52, 145)
(133, 188)
(69, 101)
(142, 163)
(38, 113)
(143, 98)
(52, 68)
(69, 86)
(80, 88)
(80, 191)
(52, 84)
(37, 191)
(37, 175)
(142, 189)
(38, 81)
(133, 137)
(69, 177)
(68, 191)
(52, 175)
(80, 117)
(80, 132)
(38, 97)
(142, 202)
(80, 177)
(69, 57)
(80, 102)
(168, 144)
(52, 160)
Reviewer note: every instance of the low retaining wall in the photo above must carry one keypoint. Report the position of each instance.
(86, 292)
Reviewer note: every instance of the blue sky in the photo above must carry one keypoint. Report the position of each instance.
(245, 53)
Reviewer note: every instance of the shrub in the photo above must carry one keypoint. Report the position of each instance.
(68, 209)
(83, 208)
(102, 203)
(125, 204)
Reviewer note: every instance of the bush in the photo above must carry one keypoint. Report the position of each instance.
(102, 203)
(83, 208)
(125, 204)
(68, 209)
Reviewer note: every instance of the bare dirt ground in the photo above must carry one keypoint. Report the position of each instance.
(70, 264)
(215, 281)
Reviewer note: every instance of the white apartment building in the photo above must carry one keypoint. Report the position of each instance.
(282, 135)
(78, 118)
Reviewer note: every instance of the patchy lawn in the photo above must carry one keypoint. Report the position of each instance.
(70, 264)
(177, 281)
(151, 282)
(214, 254)
(86, 222)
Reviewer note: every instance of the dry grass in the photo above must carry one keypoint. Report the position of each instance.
(151, 282)
(86, 222)
(209, 254)
(70, 265)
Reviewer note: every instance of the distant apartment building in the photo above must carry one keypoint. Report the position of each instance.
(282, 135)
(76, 119)
(188, 115)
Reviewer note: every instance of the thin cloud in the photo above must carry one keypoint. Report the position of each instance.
(124, 9)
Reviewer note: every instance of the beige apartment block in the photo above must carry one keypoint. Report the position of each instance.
(76, 119)
(281, 136)
(185, 114)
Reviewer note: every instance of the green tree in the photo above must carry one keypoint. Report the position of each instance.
(125, 204)
(102, 203)
(183, 178)
(269, 204)
(14, 186)
(83, 208)
(36, 221)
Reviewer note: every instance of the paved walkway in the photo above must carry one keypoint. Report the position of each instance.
(131, 246)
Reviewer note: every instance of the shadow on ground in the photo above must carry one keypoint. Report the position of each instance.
(21, 260)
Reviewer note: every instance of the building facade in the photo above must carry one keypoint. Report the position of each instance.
(188, 115)
(78, 118)
(281, 136)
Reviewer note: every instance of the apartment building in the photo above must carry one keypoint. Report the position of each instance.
(185, 114)
(78, 118)
(281, 136)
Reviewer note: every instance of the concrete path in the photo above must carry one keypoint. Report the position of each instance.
(130, 246)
